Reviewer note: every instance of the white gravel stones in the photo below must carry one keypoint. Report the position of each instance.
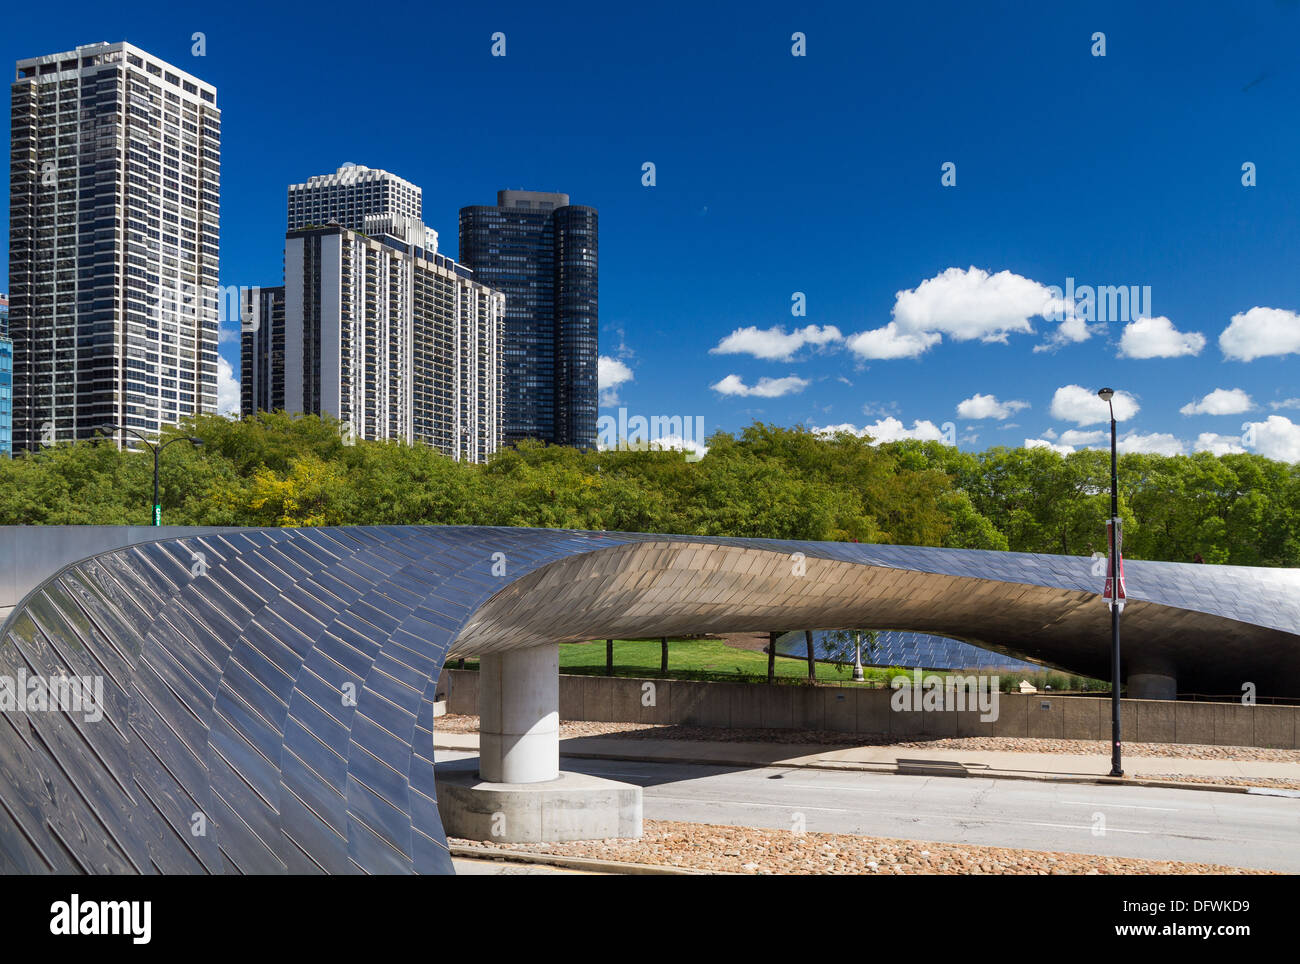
(753, 851)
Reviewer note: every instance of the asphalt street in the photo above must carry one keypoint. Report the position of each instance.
(1241, 830)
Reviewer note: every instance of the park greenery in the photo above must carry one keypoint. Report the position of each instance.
(709, 659)
(766, 481)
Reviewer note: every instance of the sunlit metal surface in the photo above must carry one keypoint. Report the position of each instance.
(268, 694)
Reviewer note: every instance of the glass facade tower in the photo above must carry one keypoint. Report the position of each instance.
(261, 355)
(542, 252)
(6, 382)
(114, 183)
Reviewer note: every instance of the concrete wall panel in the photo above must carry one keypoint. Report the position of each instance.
(1045, 716)
(1156, 722)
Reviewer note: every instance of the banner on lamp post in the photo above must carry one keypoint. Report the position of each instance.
(1115, 544)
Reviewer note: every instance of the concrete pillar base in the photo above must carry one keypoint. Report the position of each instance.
(1151, 686)
(573, 807)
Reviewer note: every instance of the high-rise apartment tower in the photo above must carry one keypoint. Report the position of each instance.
(350, 195)
(115, 182)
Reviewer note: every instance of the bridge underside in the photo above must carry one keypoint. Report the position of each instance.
(267, 694)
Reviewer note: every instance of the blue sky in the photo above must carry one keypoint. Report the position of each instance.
(820, 174)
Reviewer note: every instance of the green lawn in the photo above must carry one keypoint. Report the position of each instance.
(695, 659)
(713, 660)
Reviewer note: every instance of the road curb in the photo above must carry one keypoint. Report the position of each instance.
(919, 769)
(577, 863)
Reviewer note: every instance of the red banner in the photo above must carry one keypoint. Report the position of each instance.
(1117, 545)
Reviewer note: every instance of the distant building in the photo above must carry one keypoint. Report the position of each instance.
(115, 181)
(388, 336)
(350, 195)
(6, 382)
(542, 252)
(261, 354)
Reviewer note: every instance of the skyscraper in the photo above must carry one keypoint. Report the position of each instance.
(373, 326)
(261, 356)
(348, 196)
(390, 337)
(542, 252)
(115, 192)
(6, 381)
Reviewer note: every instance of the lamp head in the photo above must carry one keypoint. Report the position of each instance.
(1107, 394)
(196, 441)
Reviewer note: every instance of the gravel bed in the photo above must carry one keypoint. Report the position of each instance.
(458, 723)
(751, 851)
(1274, 783)
(829, 738)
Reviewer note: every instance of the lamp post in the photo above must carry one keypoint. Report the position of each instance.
(1116, 604)
(157, 452)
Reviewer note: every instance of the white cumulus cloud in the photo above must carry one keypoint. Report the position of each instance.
(1277, 437)
(1042, 443)
(891, 342)
(1218, 444)
(227, 389)
(1074, 437)
(766, 387)
(675, 443)
(1221, 401)
(964, 304)
(1156, 443)
(1083, 406)
(775, 344)
(610, 374)
(1158, 338)
(889, 429)
(972, 304)
(1261, 332)
(987, 406)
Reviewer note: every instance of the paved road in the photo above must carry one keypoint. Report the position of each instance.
(1240, 830)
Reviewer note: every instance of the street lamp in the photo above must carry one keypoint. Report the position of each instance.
(157, 451)
(1116, 604)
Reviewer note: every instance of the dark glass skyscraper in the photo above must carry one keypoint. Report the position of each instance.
(261, 376)
(542, 252)
(6, 381)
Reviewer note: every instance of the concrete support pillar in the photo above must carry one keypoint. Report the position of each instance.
(1151, 686)
(1150, 678)
(519, 715)
(515, 792)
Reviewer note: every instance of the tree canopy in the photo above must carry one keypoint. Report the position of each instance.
(767, 481)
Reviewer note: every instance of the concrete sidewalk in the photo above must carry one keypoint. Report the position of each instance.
(909, 760)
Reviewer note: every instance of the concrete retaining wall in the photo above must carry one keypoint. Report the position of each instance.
(868, 712)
